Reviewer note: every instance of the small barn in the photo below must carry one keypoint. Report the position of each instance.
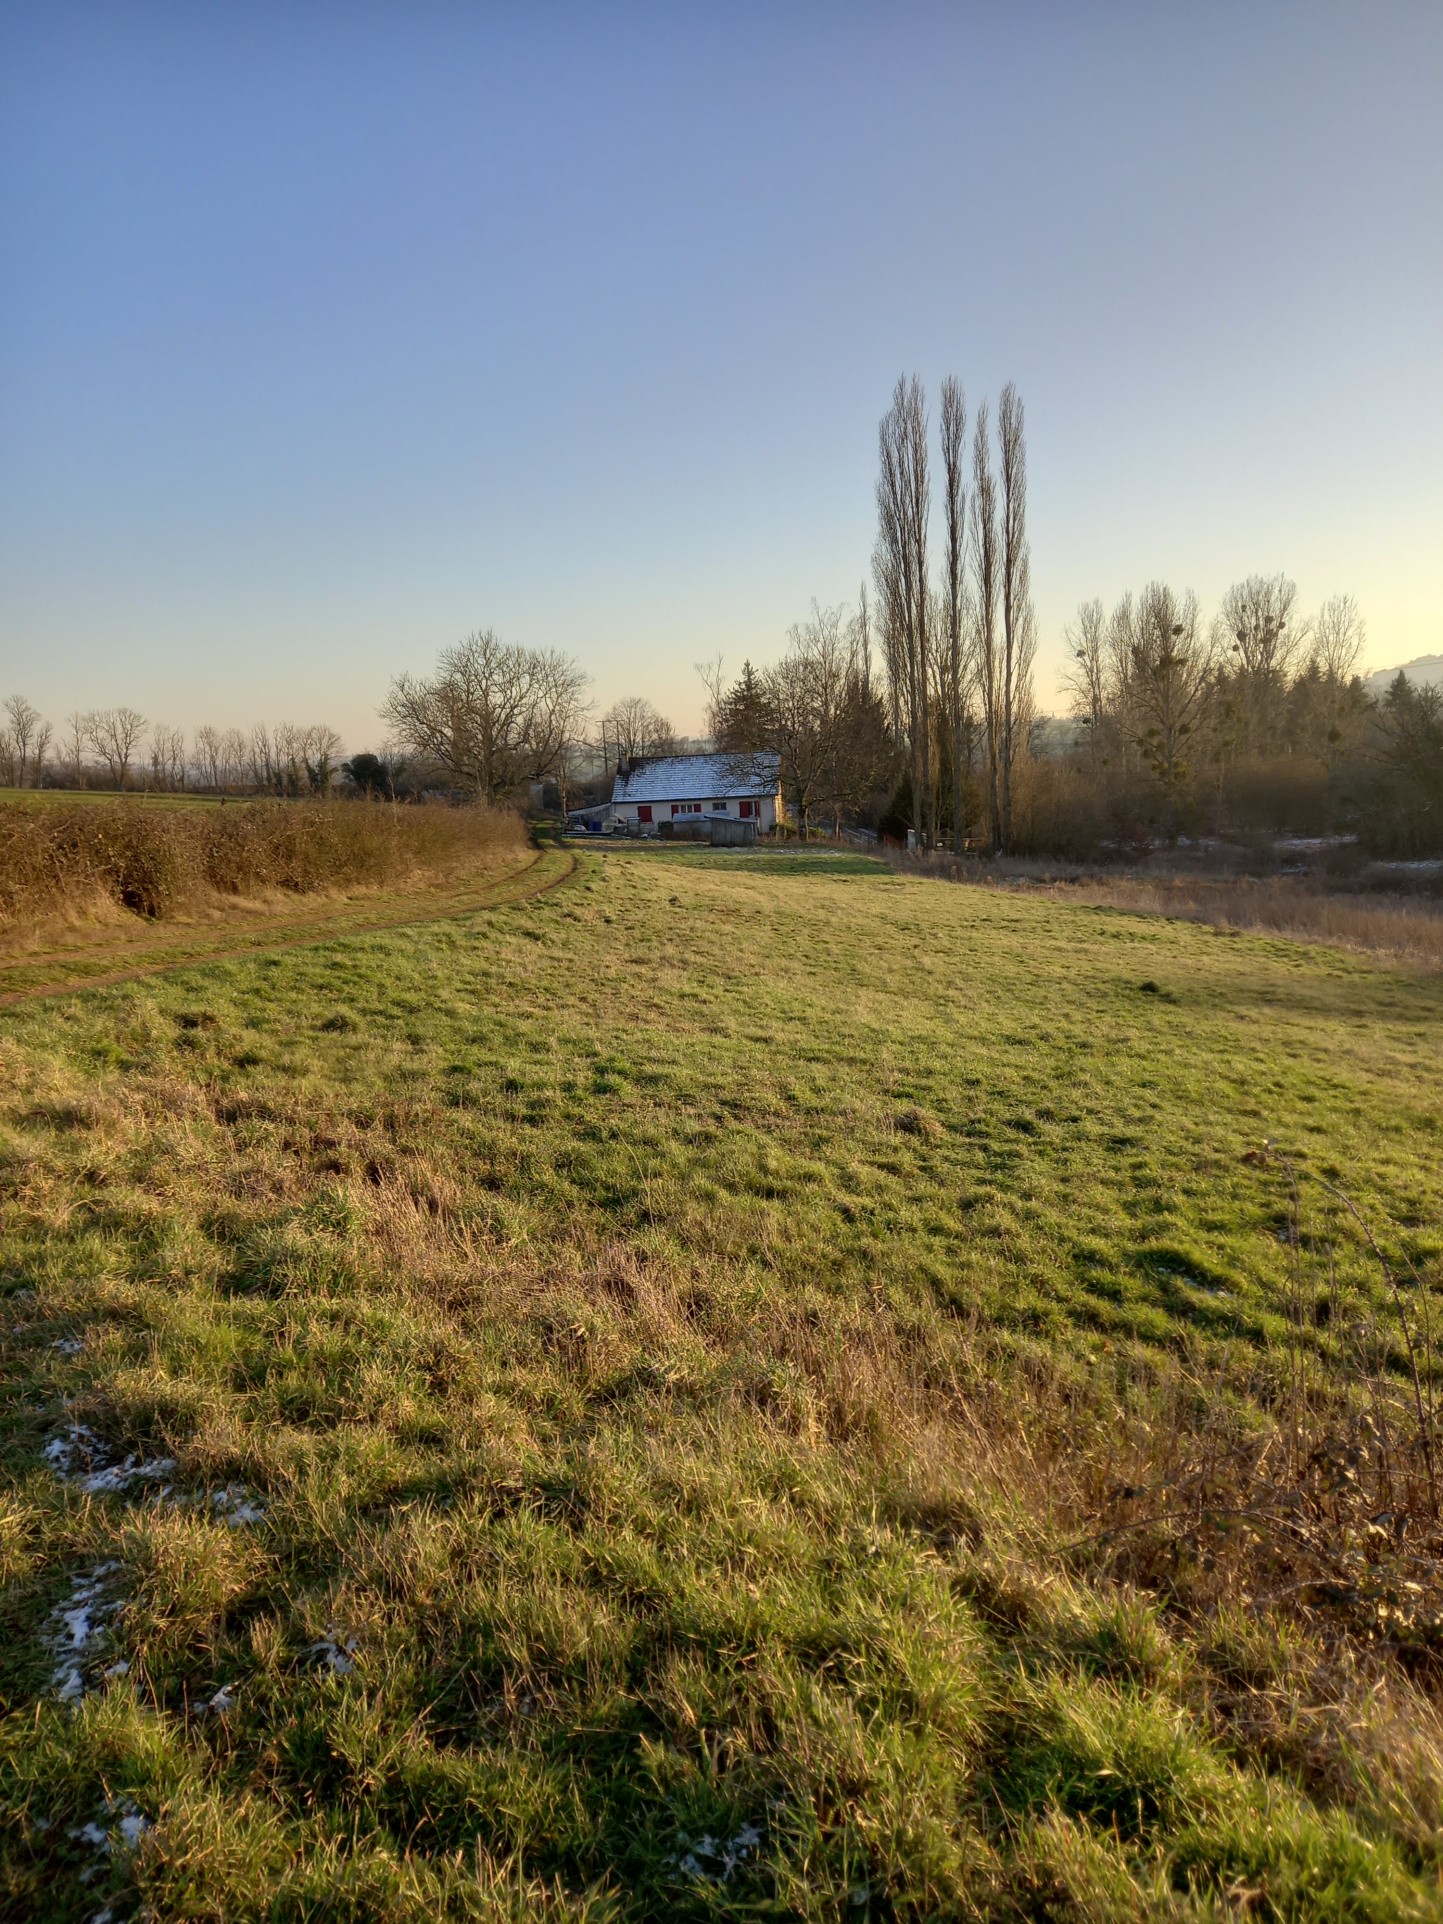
(689, 790)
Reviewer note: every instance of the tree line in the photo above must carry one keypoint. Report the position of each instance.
(118, 748)
(1256, 719)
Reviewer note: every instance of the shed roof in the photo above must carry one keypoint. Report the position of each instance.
(699, 778)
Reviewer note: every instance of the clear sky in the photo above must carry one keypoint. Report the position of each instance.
(329, 332)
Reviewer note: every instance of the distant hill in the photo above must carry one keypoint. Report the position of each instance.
(1426, 671)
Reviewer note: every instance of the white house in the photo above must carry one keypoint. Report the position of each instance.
(684, 789)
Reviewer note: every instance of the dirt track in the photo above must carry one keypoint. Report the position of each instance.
(153, 949)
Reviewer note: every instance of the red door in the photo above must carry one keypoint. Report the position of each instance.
(643, 811)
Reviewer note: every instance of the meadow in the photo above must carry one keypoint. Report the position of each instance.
(733, 1386)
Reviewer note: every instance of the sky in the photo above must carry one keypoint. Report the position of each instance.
(330, 333)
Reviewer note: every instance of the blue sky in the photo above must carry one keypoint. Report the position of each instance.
(328, 333)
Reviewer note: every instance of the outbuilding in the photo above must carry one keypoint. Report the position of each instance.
(687, 790)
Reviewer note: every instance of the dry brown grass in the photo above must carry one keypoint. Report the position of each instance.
(1402, 927)
(68, 863)
(1375, 924)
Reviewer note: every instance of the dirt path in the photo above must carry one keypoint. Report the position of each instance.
(24, 978)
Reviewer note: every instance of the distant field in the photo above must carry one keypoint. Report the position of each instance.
(44, 797)
(671, 1398)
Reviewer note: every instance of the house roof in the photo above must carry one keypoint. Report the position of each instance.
(699, 778)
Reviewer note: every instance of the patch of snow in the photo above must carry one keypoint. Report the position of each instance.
(222, 1701)
(714, 1863)
(236, 1504)
(128, 1829)
(132, 1828)
(69, 1345)
(80, 1456)
(337, 1654)
(77, 1626)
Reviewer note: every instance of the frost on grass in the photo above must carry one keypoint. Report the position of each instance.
(713, 1863)
(78, 1626)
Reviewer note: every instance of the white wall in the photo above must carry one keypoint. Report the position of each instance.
(765, 815)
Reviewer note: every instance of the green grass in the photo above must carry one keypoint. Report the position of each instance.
(144, 798)
(619, 1305)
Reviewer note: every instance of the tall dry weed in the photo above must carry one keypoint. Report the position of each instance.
(160, 862)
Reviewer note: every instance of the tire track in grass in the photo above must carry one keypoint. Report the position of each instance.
(548, 869)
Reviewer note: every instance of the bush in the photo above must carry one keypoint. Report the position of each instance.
(157, 862)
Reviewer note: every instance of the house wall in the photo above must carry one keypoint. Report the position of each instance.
(765, 815)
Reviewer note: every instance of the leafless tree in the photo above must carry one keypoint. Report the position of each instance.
(23, 731)
(1259, 637)
(232, 758)
(954, 486)
(985, 571)
(632, 727)
(207, 756)
(494, 715)
(115, 734)
(1338, 636)
(1086, 675)
(903, 596)
(74, 740)
(1018, 621)
(167, 756)
(262, 762)
(824, 720)
(1170, 686)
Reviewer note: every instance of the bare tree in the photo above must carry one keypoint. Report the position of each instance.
(1085, 678)
(900, 568)
(207, 757)
(954, 436)
(494, 715)
(824, 720)
(985, 568)
(632, 727)
(232, 759)
(167, 756)
(25, 724)
(1018, 629)
(1170, 685)
(115, 734)
(263, 762)
(1338, 636)
(77, 734)
(1258, 629)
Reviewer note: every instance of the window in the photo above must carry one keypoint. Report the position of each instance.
(718, 808)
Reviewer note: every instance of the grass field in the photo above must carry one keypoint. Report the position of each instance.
(139, 797)
(641, 1403)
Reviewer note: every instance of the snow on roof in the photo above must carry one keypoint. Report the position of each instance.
(699, 778)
